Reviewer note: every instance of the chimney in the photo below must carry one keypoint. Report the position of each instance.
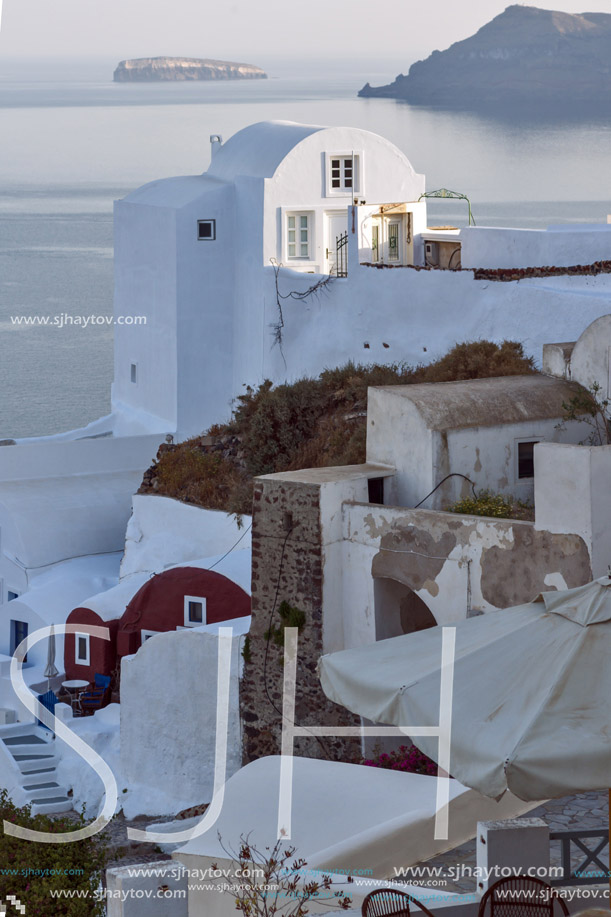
(216, 142)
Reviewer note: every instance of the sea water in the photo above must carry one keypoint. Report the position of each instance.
(72, 142)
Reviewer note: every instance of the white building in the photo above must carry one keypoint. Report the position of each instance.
(195, 256)
(445, 438)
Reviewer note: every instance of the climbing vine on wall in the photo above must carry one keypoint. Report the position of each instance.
(315, 290)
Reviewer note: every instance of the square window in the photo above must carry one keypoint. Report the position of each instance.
(206, 230)
(343, 174)
(195, 611)
(81, 649)
(146, 635)
(526, 459)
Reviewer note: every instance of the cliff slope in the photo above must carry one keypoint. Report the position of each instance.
(148, 69)
(524, 55)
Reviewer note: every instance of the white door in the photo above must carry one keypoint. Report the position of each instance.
(393, 241)
(336, 226)
(389, 243)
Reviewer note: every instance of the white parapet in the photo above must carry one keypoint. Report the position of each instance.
(147, 890)
(511, 846)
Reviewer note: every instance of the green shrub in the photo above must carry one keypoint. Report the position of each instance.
(290, 617)
(497, 506)
(589, 406)
(37, 870)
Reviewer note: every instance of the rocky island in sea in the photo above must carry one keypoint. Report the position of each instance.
(153, 69)
(523, 56)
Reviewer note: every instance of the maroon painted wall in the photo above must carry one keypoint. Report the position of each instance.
(102, 653)
(159, 604)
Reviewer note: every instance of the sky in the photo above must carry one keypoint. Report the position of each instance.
(248, 30)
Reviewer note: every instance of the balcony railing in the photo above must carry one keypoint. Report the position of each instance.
(580, 852)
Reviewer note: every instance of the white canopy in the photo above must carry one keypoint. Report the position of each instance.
(345, 817)
(532, 687)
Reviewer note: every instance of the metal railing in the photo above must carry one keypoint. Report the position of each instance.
(589, 869)
(341, 252)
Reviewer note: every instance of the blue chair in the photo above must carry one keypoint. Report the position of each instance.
(98, 696)
(48, 701)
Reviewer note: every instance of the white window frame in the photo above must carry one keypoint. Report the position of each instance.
(77, 638)
(356, 188)
(212, 236)
(147, 634)
(297, 215)
(195, 598)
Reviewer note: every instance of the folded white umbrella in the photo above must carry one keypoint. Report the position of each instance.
(51, 670)
(531, 707)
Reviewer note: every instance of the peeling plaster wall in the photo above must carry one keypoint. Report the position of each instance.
(331, 499)
(317, 548)
(489, 457)
(458, 565)
(397, 434)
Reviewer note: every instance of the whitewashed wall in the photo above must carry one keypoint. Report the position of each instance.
(163, 532)
(419, 315)
(212, 306)
(492, 247)
(590, 361)
(41, 460)
(60, 500)
(572, 489)
(168, 715)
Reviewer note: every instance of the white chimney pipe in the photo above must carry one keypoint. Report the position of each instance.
(216, 142)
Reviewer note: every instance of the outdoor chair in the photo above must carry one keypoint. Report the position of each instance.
(98, 696)
(388, 902)
(520, 896)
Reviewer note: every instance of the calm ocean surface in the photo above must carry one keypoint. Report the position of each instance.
(72, 142)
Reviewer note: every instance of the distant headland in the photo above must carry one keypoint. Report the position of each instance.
(154, 69)
(523, 56)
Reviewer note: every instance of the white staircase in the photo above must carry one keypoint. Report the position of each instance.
(28, 751)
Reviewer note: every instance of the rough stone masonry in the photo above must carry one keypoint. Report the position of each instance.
(287, 566)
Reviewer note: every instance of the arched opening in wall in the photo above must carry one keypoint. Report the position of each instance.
(399, 610)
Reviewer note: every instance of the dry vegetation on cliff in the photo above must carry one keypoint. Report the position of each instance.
(310, 423)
